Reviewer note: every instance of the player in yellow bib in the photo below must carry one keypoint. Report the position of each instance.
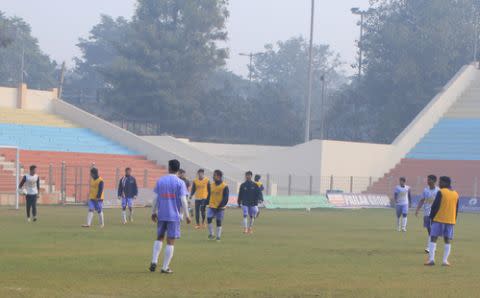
(217, 202)
(200, 192)
(444, 217)
(95, 198)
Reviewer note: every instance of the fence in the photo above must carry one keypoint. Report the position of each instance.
(65, 184)
(69, 184)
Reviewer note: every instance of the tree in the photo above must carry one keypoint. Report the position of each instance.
(412, 48)
(283, 68)
(17, 41)
(86, 82)
(169, 50)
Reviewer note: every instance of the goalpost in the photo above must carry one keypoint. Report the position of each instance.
(17, 172)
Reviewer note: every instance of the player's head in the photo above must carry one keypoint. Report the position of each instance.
(402, 181)
(201, 173)
(445, 182)
(181, 173)
(173, 166)
(33, 169)
(431, 180)
(248, 175)
(128, 171)
(217, 175)
(94, 173)
(257, 178)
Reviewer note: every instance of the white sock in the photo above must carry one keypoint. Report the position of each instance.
(245, 222)
(252, 220)
(100, 218)
(446, 253)
(428, 242)
(219, 232)
(404, 223)
(124, 216)
(210, 229)
(157, 248)
(89, 218)
(432, 246)
(399, 222)
(168, 257)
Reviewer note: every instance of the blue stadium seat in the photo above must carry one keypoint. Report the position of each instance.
(450, 139)
(50, 138)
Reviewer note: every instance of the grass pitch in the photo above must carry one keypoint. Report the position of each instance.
(324, 253)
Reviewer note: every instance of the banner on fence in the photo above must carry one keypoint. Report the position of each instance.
(348, 200)
(296, 202)
(465, 204)
(469, 204)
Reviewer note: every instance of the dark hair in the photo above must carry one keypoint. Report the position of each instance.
(446, 180)
(218, 173)
(173, 166)
(33, 167)
(249, 173)
(181, 171)
(128, 169)
(403, 179)
(201, 171)
(432, 177)
(94, 171)
(258, 177)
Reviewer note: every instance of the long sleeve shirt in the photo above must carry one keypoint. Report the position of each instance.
(249, 194)
(127, 187)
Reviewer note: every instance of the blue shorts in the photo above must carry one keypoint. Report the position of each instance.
(250, 211)
(171, 228)
(401, 209)
(427, 222)
(442, 230)
(95, 205)
(127, 202)
(218, 214)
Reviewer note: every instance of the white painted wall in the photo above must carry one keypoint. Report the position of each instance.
(354, 159)
(8, 97)
(153, 152)
(39, 100)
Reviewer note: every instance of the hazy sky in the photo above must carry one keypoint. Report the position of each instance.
(59, 23)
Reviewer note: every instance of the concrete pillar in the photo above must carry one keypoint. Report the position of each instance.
(55, 93)
(22, 96)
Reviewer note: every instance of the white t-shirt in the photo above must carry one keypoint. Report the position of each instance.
(31, 184)
(402, 194)
(429, 196)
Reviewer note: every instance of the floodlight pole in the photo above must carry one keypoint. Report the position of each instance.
(308, 105)
(17, 177)
(362, 14)
(250, 65)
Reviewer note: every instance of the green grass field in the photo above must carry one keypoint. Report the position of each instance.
(324, 253)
